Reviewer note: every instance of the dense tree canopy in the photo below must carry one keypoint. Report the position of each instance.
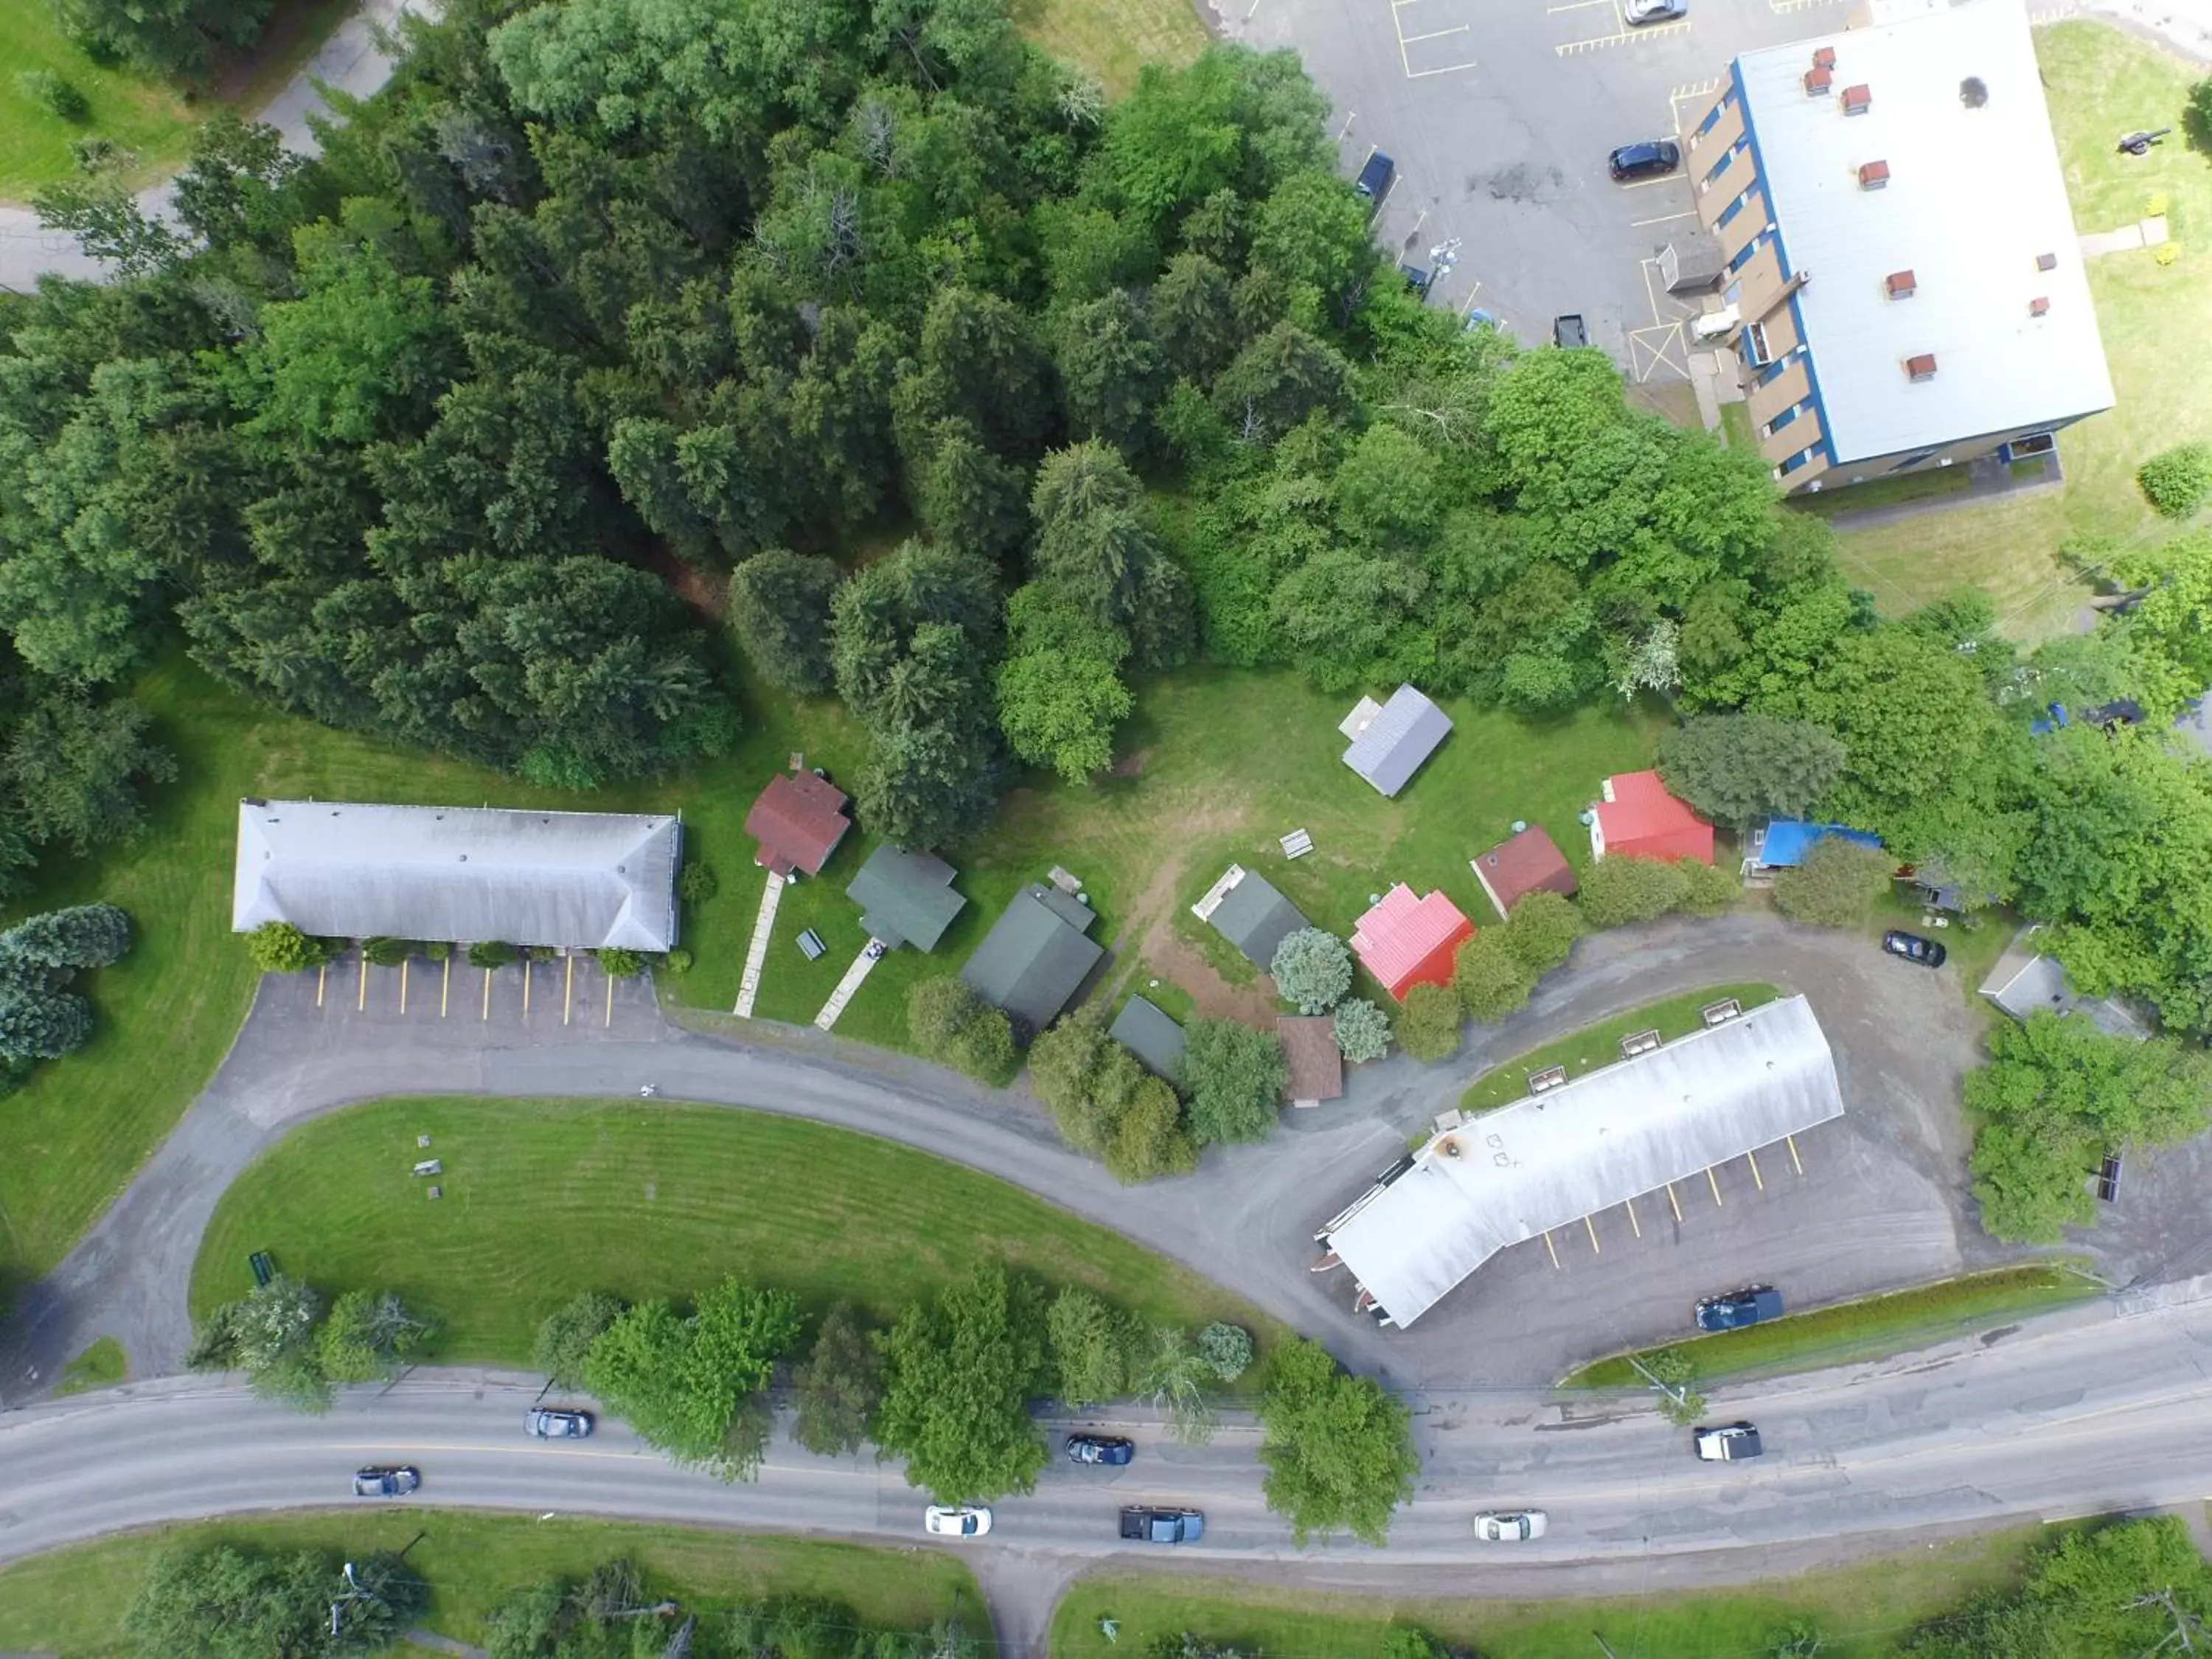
(959, 1372)
(1339, 1449)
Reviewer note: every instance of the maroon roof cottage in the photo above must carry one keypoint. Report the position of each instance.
(798, 820)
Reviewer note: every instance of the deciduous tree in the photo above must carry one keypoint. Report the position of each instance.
(1428, 1025)
(563, 1344)
(1363, 1030)
(1234, 1077)
(838, 1387)
(959, 1372)
(1339, 1449)
(1541, 930)
(1738, 768)
(1835, 885)
(779, 608)
(1093, 1346)
(1492, 982)
(685, 1383)
(1312, 968)
(368, 1336)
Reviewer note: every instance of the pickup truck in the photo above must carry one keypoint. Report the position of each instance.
(1162, 1526)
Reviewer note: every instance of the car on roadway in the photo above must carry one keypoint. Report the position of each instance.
(1510, 1526)
(1638, 12)
(557, 1423)
(386, 1480)
(1100, 1448)
(1748, 1306)
(1728, 1443)
(1654, 158)
(955, 1521)
(1913, 948)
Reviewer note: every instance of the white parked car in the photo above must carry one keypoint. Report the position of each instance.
(965, 1521)
(1509, 1526)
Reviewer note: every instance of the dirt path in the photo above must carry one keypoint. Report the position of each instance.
(1153, 916)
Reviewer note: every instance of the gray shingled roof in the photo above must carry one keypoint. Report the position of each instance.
(2026, 981)
(1256, 918)
(905, 898)
(1397, 740)
(1146, 1031)
(458, 874)
(1035, 957)
(1610, 1135)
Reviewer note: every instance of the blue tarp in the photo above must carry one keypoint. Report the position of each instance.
(1788, 840)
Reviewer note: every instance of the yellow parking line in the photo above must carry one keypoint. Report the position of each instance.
(610, 999)
(569, 993)
(446, 985)
(403, 985)
(1751, 1158)
(1629, 1205)
(1592, 1226)
(1675, 1202)
(1791, 1141)
(362, 1001)
(1548, 1250)
(1714, 1180)
(322, 975)
(525, 987)
(487, 1000)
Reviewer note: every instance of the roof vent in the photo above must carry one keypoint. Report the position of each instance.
(1824, 57)
(1858, 100)
(2039, 307)
(1921, 368)
(1900, 284)
(2046, 262)
(1816, 83)
(1973, 92)
(1874, 175)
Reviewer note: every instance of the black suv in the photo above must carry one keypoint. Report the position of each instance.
(1568, 332)
(1652, 159)
(1913, 948)
(1374, 181)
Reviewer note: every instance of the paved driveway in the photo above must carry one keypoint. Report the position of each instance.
(1500, 113)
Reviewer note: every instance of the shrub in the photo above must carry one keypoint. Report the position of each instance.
(386, 952)
(619, 962)
(1542, 930)
(1227, 1348)
(436, 949)
(698, 883)
(1428, 1024)
(2177, 480)
(1095, 1347)
(1236, 1077)
(1491, 980)
(951, 1024)
(1707, 889)
(62, 99)
(1363, 1030)
(1618, 890)
(490, 953)
(1834, 885)
(279, 947)
(678, 961)
(1312, 968)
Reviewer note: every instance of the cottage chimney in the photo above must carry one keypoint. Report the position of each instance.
(1900, 284)
(1825, 59)
(2039, 307)
(1874, 175)
(1921, 368)
(1816, 83)
(1858, 100)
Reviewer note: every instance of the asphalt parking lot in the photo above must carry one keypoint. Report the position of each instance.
(1499, 114)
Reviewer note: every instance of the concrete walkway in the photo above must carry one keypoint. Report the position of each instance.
(757, 952)
(855, 976)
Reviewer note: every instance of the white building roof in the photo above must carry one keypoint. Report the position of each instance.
(462, 874)
(1609, 1135)
(1974, 196)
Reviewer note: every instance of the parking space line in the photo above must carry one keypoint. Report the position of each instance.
(1663, 219)
(569, 993)
(403, 984)
(322, 975)
(1751, 1158)
(1448, 69)
(1595, 1249)
(1629, 1205)
(1625, 37)
(1675, 1203)
(1791, 1141)
(487, 997)
(1577, 5)
(446, 985)
(1713, 1181)
(1549, 1251)
(360, 1002)
(525, 987)
(1406, 59)
(610, 999)
(1415, 40)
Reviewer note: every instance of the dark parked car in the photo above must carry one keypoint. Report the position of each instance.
(1652, 159)
(386, 1480)
(1913, 948)
(1741, 1308)
(1418, 280)
(555, 1423)
(1099, 1448)
(1568, 332)
(1731, 1443)
(1374, 181)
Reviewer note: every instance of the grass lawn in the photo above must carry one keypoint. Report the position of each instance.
(1114, 39)
(100, 1366)
(2157, 326)
(1861, 1611)
(1735, 427)
(544, 1199)
(141, 112)
(71, 1603)
(1869, 1328)
(1600, 1045)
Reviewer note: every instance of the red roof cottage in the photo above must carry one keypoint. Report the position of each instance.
(1638, 819)
(798, 820)
(1530, 862)
(1405, 941)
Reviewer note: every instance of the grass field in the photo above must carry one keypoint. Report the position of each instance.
(1869, 1328)
(138, 111)
(544, 1199)
(1114, 39)
(1861, 1611)
(100, 1366)
(70, 1602)
(1600, 1045)
(2156, 321)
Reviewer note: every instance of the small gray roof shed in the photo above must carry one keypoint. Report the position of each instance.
(1035, 957)
(1256, 918)
(905, 898)
(1391, 747)
(1146, 1030)
(458, 874)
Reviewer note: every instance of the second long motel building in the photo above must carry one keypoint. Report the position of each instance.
(1898, 247)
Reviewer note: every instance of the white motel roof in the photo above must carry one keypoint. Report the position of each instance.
(1608, 1136)
(462, 874)
(1974, 199)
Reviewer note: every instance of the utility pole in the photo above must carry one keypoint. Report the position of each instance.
(1677, 1392)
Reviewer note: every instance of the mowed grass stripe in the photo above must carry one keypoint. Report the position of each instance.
(543, 1199)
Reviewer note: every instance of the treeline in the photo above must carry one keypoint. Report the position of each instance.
(294, 1345)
